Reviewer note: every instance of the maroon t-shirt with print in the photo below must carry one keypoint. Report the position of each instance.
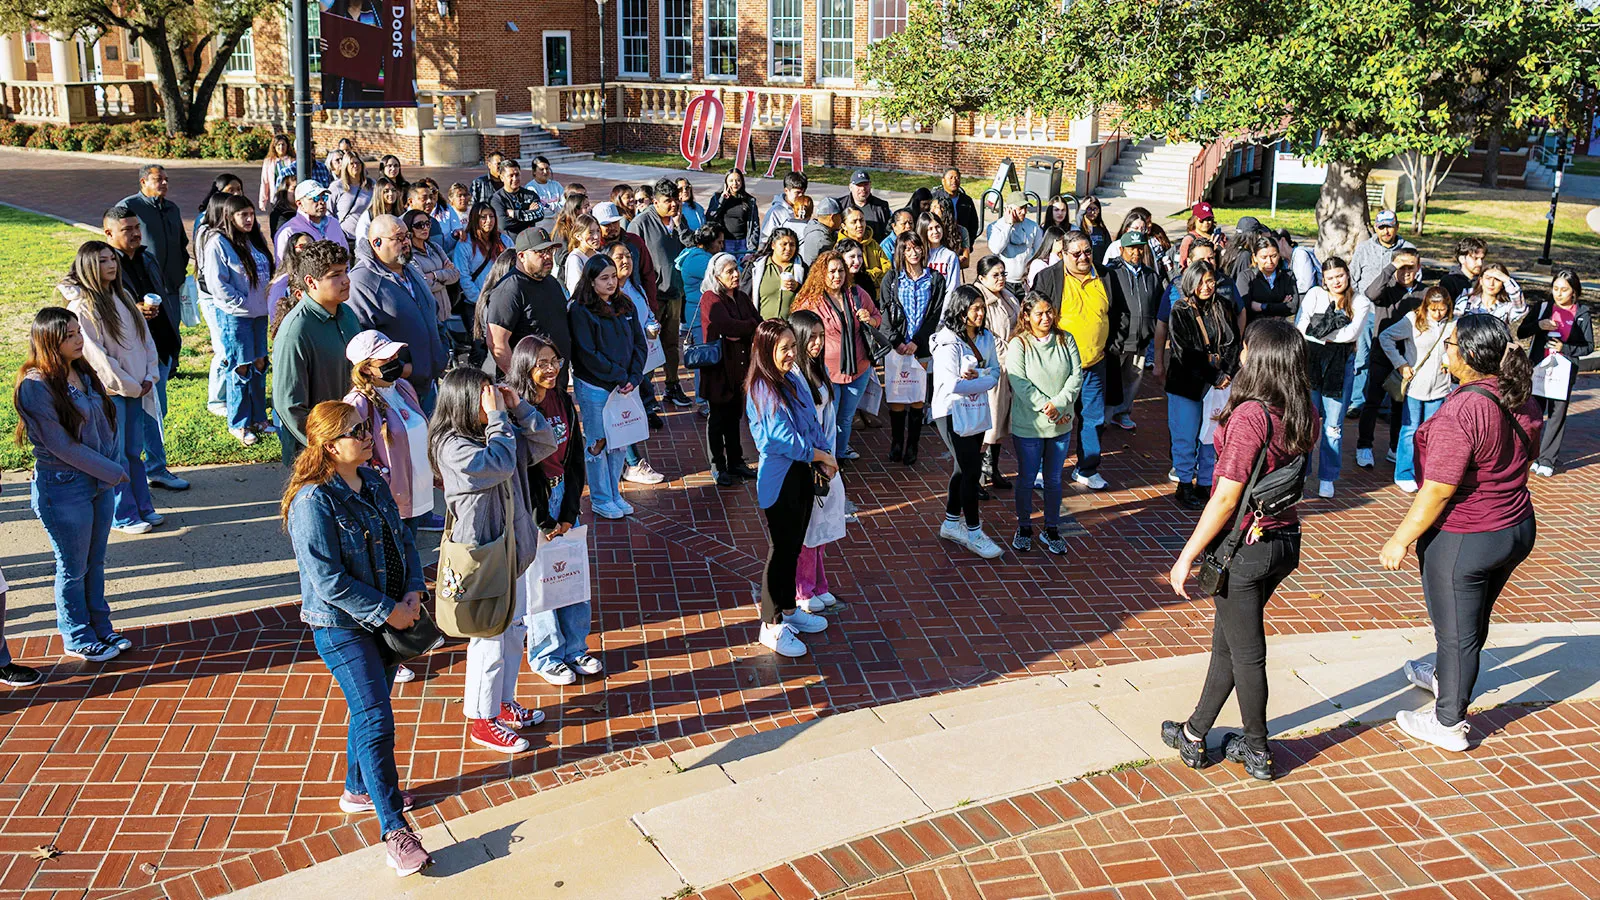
(554, 410)
(1470, 443)
(1239, 441)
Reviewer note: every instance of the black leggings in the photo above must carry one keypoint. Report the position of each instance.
(722, 434)
(1555, 427)
(1238, 636)
(787, 520)
(1462, 576)
(968, 453)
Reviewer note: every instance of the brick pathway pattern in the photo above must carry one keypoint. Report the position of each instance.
(1362, 813)
(211, 757)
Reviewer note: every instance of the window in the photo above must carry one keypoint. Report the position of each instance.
(633, 37)
(30, 49)
(888, 17)
(836, 40)
(722, 39)
(243, 60)
(135, 50)
(677, 38)
(783, 39)
(314, 34)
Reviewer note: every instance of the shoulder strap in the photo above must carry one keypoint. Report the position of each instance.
(1256, 472)
(1516, 426)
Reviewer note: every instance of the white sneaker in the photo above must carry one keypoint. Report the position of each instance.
(983, 545)
(642, 474)
(1172, 476)
(804, 622)
(1390, 456)
(1543, 471)
(133, 528)
(1364, 458)
(1423, 724)
(1325, 489)
(244, 435)
(1406, 485)
(608, 511)
(404, 675)
(782, 640)
(1422, 674)
(1093, 482)
(558, 673)
(829, 599)
(625, 506)
(955, 532)
(811, 604)
(587, 664)
(217, 409)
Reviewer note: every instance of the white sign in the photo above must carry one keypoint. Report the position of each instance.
(1290, 168)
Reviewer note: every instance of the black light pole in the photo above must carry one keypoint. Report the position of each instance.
(301, 49)
(1555, 196)
(600, 9)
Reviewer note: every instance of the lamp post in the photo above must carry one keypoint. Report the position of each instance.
(301, 34)
(1555, 196)
(600, 10)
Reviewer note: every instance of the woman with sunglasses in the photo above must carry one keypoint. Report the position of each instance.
(350, 588)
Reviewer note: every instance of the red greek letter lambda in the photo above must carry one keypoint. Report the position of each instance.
(701, 139)
(794, 139)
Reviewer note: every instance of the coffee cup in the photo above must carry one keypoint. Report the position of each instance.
(152, 300)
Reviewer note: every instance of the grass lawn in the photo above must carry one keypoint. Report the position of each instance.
(34, 253)
(881, 179)
(1585, 165)
(1512, 222)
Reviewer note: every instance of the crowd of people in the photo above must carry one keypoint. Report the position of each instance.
(468, 360)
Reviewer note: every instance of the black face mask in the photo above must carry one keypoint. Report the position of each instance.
(390, 371)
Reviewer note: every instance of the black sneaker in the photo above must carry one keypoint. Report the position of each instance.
(19, 676)
(1257, 763)
(1193, 753)
(655, 421)
(1022, 541)
(1053, 542)
(677, 397)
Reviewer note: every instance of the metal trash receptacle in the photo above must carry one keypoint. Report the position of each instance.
(1043, 176)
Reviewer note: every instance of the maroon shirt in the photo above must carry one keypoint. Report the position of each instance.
(1469, 443)
(555, 412)
(1238, 443)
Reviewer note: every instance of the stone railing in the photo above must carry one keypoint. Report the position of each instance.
(271, 105)
(75, 102)
(1025, 128)
(455, 110)
(863, 116)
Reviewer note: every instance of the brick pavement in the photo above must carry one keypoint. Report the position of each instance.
(1362, 812)
(210, 758)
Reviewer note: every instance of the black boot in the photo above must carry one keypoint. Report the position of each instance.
(897, 435)
(991, 468)
(913, 434)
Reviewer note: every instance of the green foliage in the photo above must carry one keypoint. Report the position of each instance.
(147, 139)
(15, 134)
(251, 145)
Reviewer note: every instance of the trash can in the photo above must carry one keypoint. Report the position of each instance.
(1044, 176)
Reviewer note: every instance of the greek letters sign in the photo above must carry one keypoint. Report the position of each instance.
(368, 58)
(701, 138)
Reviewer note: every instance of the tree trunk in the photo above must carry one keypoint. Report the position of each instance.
(1342, 209)
(1491, 156)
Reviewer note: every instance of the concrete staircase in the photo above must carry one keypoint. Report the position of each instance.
(1153, 171)
(536, 141)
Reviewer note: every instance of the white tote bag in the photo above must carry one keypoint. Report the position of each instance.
(872, 400)
(827, 516)
(904, 380)
(969, 414)
(1552, 377)
(559, 575)
(625, 421)
(655, 356)
(1211, 404)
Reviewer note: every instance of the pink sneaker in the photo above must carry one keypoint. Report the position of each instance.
(406, 853)
(360, 803)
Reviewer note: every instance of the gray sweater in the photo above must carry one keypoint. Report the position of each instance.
(474, 474)
(664, 243)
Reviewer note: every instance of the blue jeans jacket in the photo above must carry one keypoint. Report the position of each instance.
(337, 535)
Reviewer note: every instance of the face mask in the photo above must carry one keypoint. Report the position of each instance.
(391, 370)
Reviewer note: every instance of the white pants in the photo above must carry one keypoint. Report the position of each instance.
(493, 663)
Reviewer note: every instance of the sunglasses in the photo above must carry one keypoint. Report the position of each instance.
(360, 432)
(1076, 253)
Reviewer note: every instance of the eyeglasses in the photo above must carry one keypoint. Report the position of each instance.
(360, 432)
(1450, 343)
(1083, 252)
(553, 364)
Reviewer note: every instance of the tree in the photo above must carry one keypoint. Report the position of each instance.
(179, 34)
(1358, 81)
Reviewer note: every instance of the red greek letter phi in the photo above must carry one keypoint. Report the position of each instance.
(701, 139)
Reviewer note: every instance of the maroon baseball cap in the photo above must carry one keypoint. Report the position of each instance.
(1202, 210)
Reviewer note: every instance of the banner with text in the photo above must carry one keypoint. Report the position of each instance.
(368, 56)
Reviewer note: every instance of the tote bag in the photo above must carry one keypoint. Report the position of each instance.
(655, 355)
(904, 380)
(559, 575)
(476, 583)
(1552, 377)
(872, 400)
(1211, 404)
(625, 421)
(969, 414)
(827, 515)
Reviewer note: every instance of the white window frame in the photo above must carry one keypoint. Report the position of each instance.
(135, 50)
(876, 30)
(623, 38)
(688, 40)
(30, 50)
(710, 70)
(246, 50)
(544, 49)
(313, 32)
(823, 42)
(799, 42)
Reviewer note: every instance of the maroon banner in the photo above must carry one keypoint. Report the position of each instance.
(368, 58)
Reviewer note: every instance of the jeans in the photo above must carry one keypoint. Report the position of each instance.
(961, 499)
(1192, 459)
(1359, 374)
(216, 394)
(1332, 411)
(787, 520)
(1130, 368)
(604, 471)
(76, 511)
(558, 635)
(1462, 576)
(155, 446)
(494, 662)
(849, 398)
(132, 497)
(1416, 412)
(810, 578)
(1091, 409)
(244, 339)
(1031, 453)
(352, 656)
(1239, 640)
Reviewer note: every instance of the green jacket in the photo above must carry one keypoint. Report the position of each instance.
(308, 364)
(1040, 374)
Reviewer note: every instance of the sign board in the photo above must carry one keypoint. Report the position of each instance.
(1289, 167)
(368, 54)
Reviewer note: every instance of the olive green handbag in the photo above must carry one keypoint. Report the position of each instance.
(476, 584)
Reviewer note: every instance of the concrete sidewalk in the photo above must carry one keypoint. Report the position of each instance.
(710, 815)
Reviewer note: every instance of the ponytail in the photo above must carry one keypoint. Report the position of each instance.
(1516, 376)
(1485, 345)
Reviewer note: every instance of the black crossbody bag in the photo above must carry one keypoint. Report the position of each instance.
(1270, 495)
(1527, 442)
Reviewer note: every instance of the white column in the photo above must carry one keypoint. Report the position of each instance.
(1084, 130)
(8, 58)
(63, 66)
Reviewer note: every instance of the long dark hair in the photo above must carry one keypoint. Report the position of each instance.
(955, 314)
(807, 325)
(1347, 302)
(586, 296)
(1189, 285)
(989, 264)
(460, 402)
(1024, 327)
(909, 239)
(45, 357)
(774, 385)
(522, 359)
(945, 237)
(1486, 346)
(1275, 372)
(242, 241)
(103, 300)
(498, 270)
(219, 185)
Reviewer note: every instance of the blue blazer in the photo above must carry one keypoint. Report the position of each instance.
(785, 433)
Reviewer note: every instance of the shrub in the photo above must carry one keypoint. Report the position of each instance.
(15, 134)
(119, 137)
(92, 137)
(251, 145)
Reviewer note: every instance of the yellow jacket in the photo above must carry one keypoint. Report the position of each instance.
(1086, 315)
(877, 262)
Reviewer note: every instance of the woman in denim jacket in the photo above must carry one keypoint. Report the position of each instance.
(359, 571)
